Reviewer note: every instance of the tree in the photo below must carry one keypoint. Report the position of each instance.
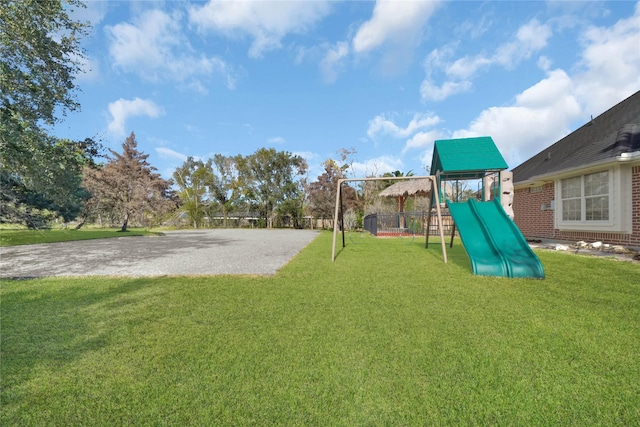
(224, 182)
(40, 56)
(194, 179)
(127, 185)
(52, 190)
(322, 192)
(268, 178)
(394, 174)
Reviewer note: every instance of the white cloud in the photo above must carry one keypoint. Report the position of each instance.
(529, 39)
(395, 26)
(333, 61)
(417, 135)
(154, 47)
(431, 92)
(544, 63)
(609, 71)
(122, 109)
(168, 153)
(422, 140)
(542, 114)
(396, 29)
(266, 22)
(395, 22)
(278, 140)
(380, 125)
(89, 68)
(466, 67)
(307, 155)
(610, 64)
(376, 166)
(92, 12)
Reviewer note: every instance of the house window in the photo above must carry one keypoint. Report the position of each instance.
(596, 196)
(571, 199)
(586, 197)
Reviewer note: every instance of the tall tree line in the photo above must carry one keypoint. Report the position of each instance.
(269, 182)
(43, 177)
(40, 57)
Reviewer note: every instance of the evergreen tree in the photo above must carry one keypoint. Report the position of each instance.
(128, 186)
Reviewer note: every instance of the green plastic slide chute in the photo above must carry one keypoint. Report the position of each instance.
(495, 245)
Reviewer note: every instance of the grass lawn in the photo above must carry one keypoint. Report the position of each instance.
(9, 237)
(385, 335)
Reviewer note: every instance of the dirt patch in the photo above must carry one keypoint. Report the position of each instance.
(628, 255)
(185, 252)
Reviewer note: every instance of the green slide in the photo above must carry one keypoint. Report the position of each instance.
(495, 245)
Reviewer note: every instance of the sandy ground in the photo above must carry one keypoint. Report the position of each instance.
(185, 252)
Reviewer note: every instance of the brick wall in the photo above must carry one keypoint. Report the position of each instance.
(635, 202)
(592, 236)
(535, 223)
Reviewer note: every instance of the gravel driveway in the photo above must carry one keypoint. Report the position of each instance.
(190, 252)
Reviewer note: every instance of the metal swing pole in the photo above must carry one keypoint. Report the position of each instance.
(335, 219)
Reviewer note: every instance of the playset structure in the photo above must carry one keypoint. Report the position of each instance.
(493, 242)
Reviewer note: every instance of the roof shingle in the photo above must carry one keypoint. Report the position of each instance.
(607, 136)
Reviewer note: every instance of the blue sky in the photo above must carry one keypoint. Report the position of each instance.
(384, 78)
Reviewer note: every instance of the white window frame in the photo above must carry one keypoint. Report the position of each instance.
(619, 193)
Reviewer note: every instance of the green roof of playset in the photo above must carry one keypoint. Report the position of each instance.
(466, 158)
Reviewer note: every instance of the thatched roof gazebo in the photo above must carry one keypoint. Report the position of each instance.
(402, 190)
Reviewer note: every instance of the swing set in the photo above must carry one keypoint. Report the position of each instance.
(338, 218)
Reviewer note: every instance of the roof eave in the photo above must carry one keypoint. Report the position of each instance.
(551, 176)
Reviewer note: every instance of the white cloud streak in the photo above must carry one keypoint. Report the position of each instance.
(123, 109)
(168, 153)
(333, 61)
(610, 64)
(381, 125)
(154, 47)
(265, 22)
(377, 166)
(422, 140)
(540, 115)
(429, 91)
(608, 72)
(393, 22)
(529, 39)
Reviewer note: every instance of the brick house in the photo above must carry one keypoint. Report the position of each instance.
(586, 186)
